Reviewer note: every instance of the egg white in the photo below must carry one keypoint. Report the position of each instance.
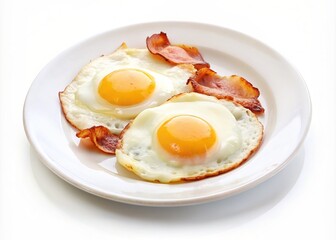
(83, 107)
(238, 131)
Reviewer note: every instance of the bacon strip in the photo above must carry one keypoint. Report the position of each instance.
(234, 88)
(159, 44)
(101, 137)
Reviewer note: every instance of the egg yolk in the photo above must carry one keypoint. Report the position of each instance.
(126, 87)
(186, 136)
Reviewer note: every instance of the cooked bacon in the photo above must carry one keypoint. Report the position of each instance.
(234, 88)
(159, 44)
(101, 137)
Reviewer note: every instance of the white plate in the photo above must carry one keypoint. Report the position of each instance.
(283, 94)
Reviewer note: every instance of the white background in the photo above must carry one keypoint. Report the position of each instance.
(298, 203)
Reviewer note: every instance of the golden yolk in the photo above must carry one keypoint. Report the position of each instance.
(186, 136)
(126, 87)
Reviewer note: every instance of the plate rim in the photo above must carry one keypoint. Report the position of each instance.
(159, 202)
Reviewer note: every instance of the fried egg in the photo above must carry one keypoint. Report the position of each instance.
(112, 89)
(190, 137)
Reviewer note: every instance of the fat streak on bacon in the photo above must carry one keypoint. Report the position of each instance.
(101, 137)
(159, 44)
(234, 88)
